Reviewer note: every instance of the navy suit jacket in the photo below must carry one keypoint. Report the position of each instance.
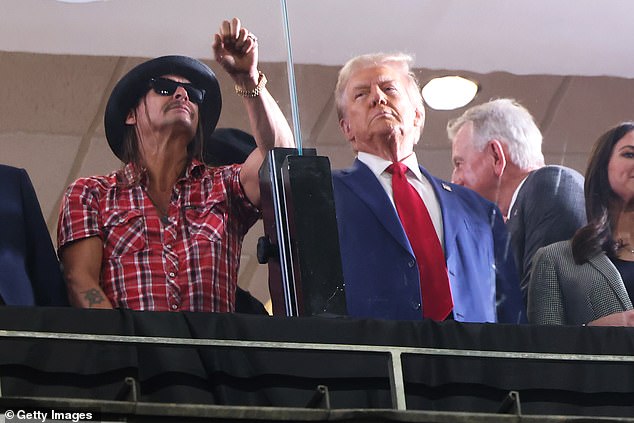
(29, 269)
(380, 270)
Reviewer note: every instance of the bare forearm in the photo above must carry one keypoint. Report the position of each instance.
(81, 261)
(85, 295)
(236, 49)
(270, 129)
(624, 318)
(268, 124)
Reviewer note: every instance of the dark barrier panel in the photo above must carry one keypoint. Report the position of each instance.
(463, 367)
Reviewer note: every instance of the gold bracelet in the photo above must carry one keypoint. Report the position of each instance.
(254, 92)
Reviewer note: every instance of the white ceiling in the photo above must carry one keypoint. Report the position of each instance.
(561, 37)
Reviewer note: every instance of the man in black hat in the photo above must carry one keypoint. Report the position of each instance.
(165, 232)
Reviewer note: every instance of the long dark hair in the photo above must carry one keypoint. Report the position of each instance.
(130, 150)
(596, 236)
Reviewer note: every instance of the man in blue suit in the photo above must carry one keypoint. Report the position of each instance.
(381, 114)
(29, 270)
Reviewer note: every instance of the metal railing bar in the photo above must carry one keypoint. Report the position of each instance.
(386, 349)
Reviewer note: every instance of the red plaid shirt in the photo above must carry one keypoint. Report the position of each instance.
(189, 263)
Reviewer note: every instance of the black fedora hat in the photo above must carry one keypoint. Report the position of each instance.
(134, 85)
(228, 146)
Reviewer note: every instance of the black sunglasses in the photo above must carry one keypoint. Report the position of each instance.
(164, 86)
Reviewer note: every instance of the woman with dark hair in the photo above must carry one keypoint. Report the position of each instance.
(590, 279)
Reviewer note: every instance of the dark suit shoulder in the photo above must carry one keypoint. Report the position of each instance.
(357, 166)
(338, 173)
(7, 168)
(553, 190)
(354, 175)
(551, 179)
(14, 180)
(557, 170)
(10, 170)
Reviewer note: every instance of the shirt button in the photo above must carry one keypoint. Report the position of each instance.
(411, 263)
(417, 306)
(168, 246)
(171, 274)
(174, 306)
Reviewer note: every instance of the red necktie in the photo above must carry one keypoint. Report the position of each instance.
(434, 282)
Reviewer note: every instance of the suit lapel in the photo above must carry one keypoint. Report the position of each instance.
(452, 211)
(613, 278)
(362, 182)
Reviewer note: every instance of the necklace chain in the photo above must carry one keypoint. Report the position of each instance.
(163, 213)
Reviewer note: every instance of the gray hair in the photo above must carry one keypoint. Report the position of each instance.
(506, 120)
(400, 60)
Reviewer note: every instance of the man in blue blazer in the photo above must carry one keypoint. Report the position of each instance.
(381, 113)
(29, 270)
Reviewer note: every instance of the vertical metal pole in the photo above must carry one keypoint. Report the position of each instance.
(397, 385)
(283, 239)
(291, 80)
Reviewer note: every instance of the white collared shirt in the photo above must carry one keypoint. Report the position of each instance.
(379, 166)
(514, 197)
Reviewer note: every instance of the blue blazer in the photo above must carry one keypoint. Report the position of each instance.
(380, 270)
(29, 269)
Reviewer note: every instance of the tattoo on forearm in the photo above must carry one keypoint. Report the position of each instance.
(93, 296)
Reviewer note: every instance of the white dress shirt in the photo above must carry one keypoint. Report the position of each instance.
(514, 197)
(379, 166)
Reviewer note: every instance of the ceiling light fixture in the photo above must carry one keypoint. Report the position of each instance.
(449, 92)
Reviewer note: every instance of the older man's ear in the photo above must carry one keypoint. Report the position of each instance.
(419, 119)
(345, 128)
(496, 149)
